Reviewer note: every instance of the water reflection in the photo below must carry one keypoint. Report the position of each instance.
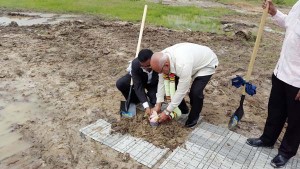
(28, 19)
(18, 103)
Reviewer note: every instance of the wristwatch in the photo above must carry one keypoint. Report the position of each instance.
(167, 112)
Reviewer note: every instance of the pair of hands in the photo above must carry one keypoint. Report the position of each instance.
(163, 117)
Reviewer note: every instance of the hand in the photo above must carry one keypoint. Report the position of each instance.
(272, 9)
(297, 98)
(157, 107)
(147, 112)
(163, 117)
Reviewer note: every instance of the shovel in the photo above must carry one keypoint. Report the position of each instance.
(238, 114)
(128, 109)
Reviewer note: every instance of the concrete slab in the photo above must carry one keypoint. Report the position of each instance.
(207, 147)
(213, 147)
(138, 149)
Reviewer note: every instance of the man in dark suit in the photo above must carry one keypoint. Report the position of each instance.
(143, 78)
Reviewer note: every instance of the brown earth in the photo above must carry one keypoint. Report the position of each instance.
(74, 66)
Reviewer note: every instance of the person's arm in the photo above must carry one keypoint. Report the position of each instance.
(160, 93)
(138, 85)
(277, 15)
(280, 18)
(185, 77)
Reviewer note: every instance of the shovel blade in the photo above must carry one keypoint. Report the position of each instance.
(127, 103)
(233, 122)
(128, 113)
(237, 116)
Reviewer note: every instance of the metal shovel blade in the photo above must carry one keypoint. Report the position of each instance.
(237, 116)
(131, 111)
(127, 104)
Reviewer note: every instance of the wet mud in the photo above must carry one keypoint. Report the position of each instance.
(74, 66)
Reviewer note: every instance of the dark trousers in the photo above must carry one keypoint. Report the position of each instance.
(197, 97)
(182, 106)
(123, 84)
(283, 107)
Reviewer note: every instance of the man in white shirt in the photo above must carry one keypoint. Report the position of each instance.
(191, 63)
(284, 101)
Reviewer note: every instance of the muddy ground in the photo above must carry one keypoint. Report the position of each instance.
(73, 66)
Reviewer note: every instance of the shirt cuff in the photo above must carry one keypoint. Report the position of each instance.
(145, 105)
(278, 15)
(170, 107)
(160, 100)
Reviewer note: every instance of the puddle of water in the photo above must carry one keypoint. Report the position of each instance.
(18, 103)
(29, 19)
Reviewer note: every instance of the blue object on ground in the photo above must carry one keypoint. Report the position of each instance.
(238, 81)
(250, 89)
(131, 111)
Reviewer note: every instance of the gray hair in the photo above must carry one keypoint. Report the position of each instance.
(163, 60)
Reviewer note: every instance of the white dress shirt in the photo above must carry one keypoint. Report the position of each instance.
(288, 65)
(187, 61)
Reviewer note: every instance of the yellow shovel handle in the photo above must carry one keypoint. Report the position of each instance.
(140, 36)
(257, 42)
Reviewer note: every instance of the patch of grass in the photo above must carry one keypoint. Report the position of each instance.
(285, 2)
(175, 17)
(191, 18)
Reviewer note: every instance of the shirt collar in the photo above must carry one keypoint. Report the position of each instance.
(144, 70)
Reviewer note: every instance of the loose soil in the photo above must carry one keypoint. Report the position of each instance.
(73, 67)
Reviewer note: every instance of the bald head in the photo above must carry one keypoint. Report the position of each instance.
(158, 61)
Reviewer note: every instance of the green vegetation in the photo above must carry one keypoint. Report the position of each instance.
(285, 2)
(191, 18)
(175, 17)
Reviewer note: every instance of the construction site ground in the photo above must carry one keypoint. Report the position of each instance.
(58, 78)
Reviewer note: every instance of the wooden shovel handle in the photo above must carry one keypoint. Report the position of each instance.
(140, 36)
(141, 32)
(257, 42)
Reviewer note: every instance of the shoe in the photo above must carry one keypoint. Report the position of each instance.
(190, 124)
(279, 161)
(257, 142)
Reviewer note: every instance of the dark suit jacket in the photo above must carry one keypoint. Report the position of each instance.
(140, 79)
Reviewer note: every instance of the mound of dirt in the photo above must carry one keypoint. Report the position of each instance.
(170, 135)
